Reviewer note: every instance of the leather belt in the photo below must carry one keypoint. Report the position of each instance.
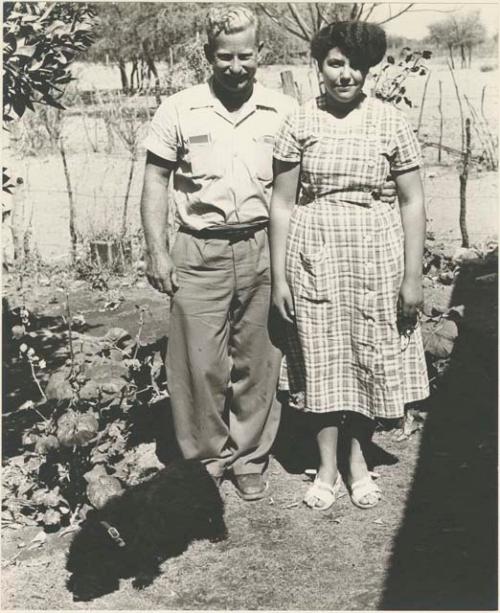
(225, 232)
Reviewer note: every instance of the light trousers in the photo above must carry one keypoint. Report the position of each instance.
(222, 365)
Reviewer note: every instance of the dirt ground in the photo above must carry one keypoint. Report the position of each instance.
(280, 555)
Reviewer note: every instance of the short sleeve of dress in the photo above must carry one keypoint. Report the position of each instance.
(286, 144)
(161, 138)
(407, 154)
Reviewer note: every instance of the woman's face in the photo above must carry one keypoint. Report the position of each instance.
(343, 82)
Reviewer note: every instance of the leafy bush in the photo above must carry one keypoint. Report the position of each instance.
(78, 453)
(40, 41)
(390, 79)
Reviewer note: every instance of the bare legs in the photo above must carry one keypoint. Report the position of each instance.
(356, 432)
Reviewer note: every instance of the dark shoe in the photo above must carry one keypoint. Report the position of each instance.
(251, 486)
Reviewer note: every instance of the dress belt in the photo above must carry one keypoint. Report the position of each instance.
(225, 232)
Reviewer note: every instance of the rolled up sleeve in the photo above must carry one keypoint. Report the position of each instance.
(286, 145)
(407, 153)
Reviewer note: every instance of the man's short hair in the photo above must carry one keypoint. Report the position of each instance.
(228, 19)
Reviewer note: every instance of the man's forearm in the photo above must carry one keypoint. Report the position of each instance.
(154, 209)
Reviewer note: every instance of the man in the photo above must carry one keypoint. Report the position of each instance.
(216, 139)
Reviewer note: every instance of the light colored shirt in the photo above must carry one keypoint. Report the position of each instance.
(224, 173)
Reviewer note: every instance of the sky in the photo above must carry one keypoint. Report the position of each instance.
(413, 24)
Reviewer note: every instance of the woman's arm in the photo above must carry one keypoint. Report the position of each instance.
(286, 178)
(411, 200)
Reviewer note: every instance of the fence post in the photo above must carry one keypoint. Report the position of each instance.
(288, 84)
(440, 108)
(422, 104)
(464, 175)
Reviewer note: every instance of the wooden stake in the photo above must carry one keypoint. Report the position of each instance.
(288, 84)
(463, 185)
(422, 103)
(440, 108)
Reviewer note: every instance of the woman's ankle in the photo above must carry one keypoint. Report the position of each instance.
(328, 474)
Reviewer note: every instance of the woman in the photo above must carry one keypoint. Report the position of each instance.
(347, 267)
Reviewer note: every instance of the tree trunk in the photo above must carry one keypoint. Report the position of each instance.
(148, 58)
(464, 175)
(450, 48)
(72, 205)
(462, 56)
(123, 74)
(134, 74)
(469, 49)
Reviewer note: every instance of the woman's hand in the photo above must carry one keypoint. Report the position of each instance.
(411, 299)
(283, 301)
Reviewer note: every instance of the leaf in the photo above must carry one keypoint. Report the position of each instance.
(39, 539)
(390, 59)
(427, 54)
(51, 517)
(407, 101)
(439, 337)
(26, 51)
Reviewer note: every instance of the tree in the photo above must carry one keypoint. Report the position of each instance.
(147, 32)
(464, 31)
(305, 19)
(41, 40)
(471, 32)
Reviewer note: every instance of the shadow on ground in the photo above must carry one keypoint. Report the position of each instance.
(445, 554)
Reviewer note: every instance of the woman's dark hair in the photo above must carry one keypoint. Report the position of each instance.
(363, 43)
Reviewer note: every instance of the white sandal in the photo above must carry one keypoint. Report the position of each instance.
(364, 487)
(322, 492)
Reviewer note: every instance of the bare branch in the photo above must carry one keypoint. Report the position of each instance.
(320, 16)
(360, 12)
(278, 20)
(406, 9)
(300, 22)
(372, 8)
(354, 10)
(312, 15)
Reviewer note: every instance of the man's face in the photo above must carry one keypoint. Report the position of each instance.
(234, 60)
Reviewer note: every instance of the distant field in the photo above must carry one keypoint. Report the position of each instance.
(99, 178)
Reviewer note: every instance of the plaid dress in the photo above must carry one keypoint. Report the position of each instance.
(345, 263)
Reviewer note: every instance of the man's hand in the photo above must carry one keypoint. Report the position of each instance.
(161, 274)
(283, 301)
(388, 191)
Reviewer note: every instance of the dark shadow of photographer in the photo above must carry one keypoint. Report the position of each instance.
(445, 555)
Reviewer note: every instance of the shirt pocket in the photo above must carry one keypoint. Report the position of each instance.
(201, 157)
(263, 157)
